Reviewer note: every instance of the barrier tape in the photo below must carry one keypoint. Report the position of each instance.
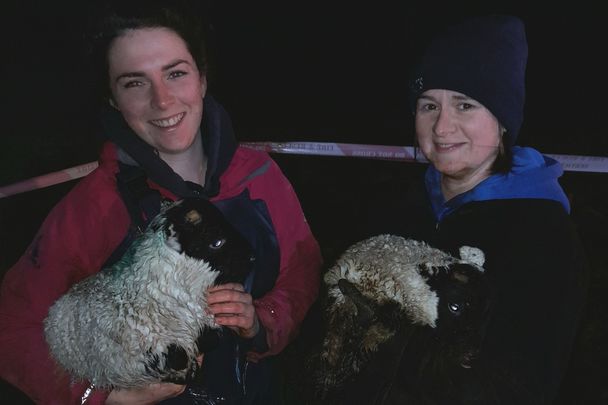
(49, 179)
(404, 153)
(594, 164)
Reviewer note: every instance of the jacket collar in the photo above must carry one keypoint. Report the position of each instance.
(219, 145)
(533, 175)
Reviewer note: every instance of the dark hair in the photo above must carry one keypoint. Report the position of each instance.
(117, 16)
(504, 160)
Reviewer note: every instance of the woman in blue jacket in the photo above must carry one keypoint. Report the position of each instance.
(480, 190)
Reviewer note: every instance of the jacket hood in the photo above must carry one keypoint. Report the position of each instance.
(533, 175)
(219, 145)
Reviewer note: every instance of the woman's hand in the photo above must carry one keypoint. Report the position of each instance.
(152, 394)
(233, 307)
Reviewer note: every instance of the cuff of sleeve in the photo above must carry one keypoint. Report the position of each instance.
(258, 342)
(86, 394)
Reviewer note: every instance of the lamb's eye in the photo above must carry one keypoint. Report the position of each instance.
(454, 308)
(216, 244)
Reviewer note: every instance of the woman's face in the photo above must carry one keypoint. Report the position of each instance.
(157, 87)
(457, 134)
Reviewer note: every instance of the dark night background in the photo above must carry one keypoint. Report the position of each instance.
(330, 72)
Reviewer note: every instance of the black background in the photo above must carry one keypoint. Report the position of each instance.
(304, 70)
(325, 71)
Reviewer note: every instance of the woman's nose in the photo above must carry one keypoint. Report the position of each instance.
(444, 124)
(162, 97)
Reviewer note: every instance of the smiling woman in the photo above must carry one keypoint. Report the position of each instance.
(459, 136)
(157, 87)
(480, 190)
(166, 139)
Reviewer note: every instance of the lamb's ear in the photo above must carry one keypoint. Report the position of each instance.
(473, 255)
(427, 270)
(171, 238)
(193, 217)
(365, 312)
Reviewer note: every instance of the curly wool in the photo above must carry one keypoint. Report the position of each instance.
(115, 327)
(393, 268)
(392, 275)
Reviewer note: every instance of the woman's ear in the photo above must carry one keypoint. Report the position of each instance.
(113, 103)
(203, 84)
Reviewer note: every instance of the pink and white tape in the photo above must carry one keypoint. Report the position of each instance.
(49, 179)
(595, 164)
(405, 153)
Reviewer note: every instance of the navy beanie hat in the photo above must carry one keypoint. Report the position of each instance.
(483, 58)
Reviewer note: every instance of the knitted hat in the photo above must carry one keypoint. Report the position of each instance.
(483, 58)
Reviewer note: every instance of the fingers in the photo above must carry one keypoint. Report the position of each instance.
(227, 295)
(233, 314)
(233, 307)
(244, 326)
(227, 286)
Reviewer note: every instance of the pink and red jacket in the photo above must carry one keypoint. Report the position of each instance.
(90, 222)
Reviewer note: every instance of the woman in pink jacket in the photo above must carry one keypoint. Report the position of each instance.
(167, 138)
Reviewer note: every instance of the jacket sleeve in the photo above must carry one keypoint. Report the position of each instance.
(283, 309)
(71, 244)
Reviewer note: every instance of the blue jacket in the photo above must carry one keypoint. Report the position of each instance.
(532, 176)
(536, 268)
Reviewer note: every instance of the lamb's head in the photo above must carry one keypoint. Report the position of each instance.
(198, 229)
(462, 313)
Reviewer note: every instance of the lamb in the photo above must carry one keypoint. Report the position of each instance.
(430, 305)
(144, 320)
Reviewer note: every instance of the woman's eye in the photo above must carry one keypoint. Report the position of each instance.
(176, 74)
(427, 107)
(132, 83)
(216, 244)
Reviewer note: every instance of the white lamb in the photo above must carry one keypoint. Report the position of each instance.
(144, 319)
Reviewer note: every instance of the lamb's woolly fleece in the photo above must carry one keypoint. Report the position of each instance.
(390, 267)
(157, 299)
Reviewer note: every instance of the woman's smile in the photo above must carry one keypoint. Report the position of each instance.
(170, 122)
(447, 147)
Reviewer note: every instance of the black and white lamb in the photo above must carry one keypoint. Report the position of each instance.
(391, 288)
(144, 319)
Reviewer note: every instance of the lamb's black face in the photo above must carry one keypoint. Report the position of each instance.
(463, 311)
(203, 232)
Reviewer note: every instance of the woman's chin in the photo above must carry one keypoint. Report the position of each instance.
(174, 146)
(446, 166)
